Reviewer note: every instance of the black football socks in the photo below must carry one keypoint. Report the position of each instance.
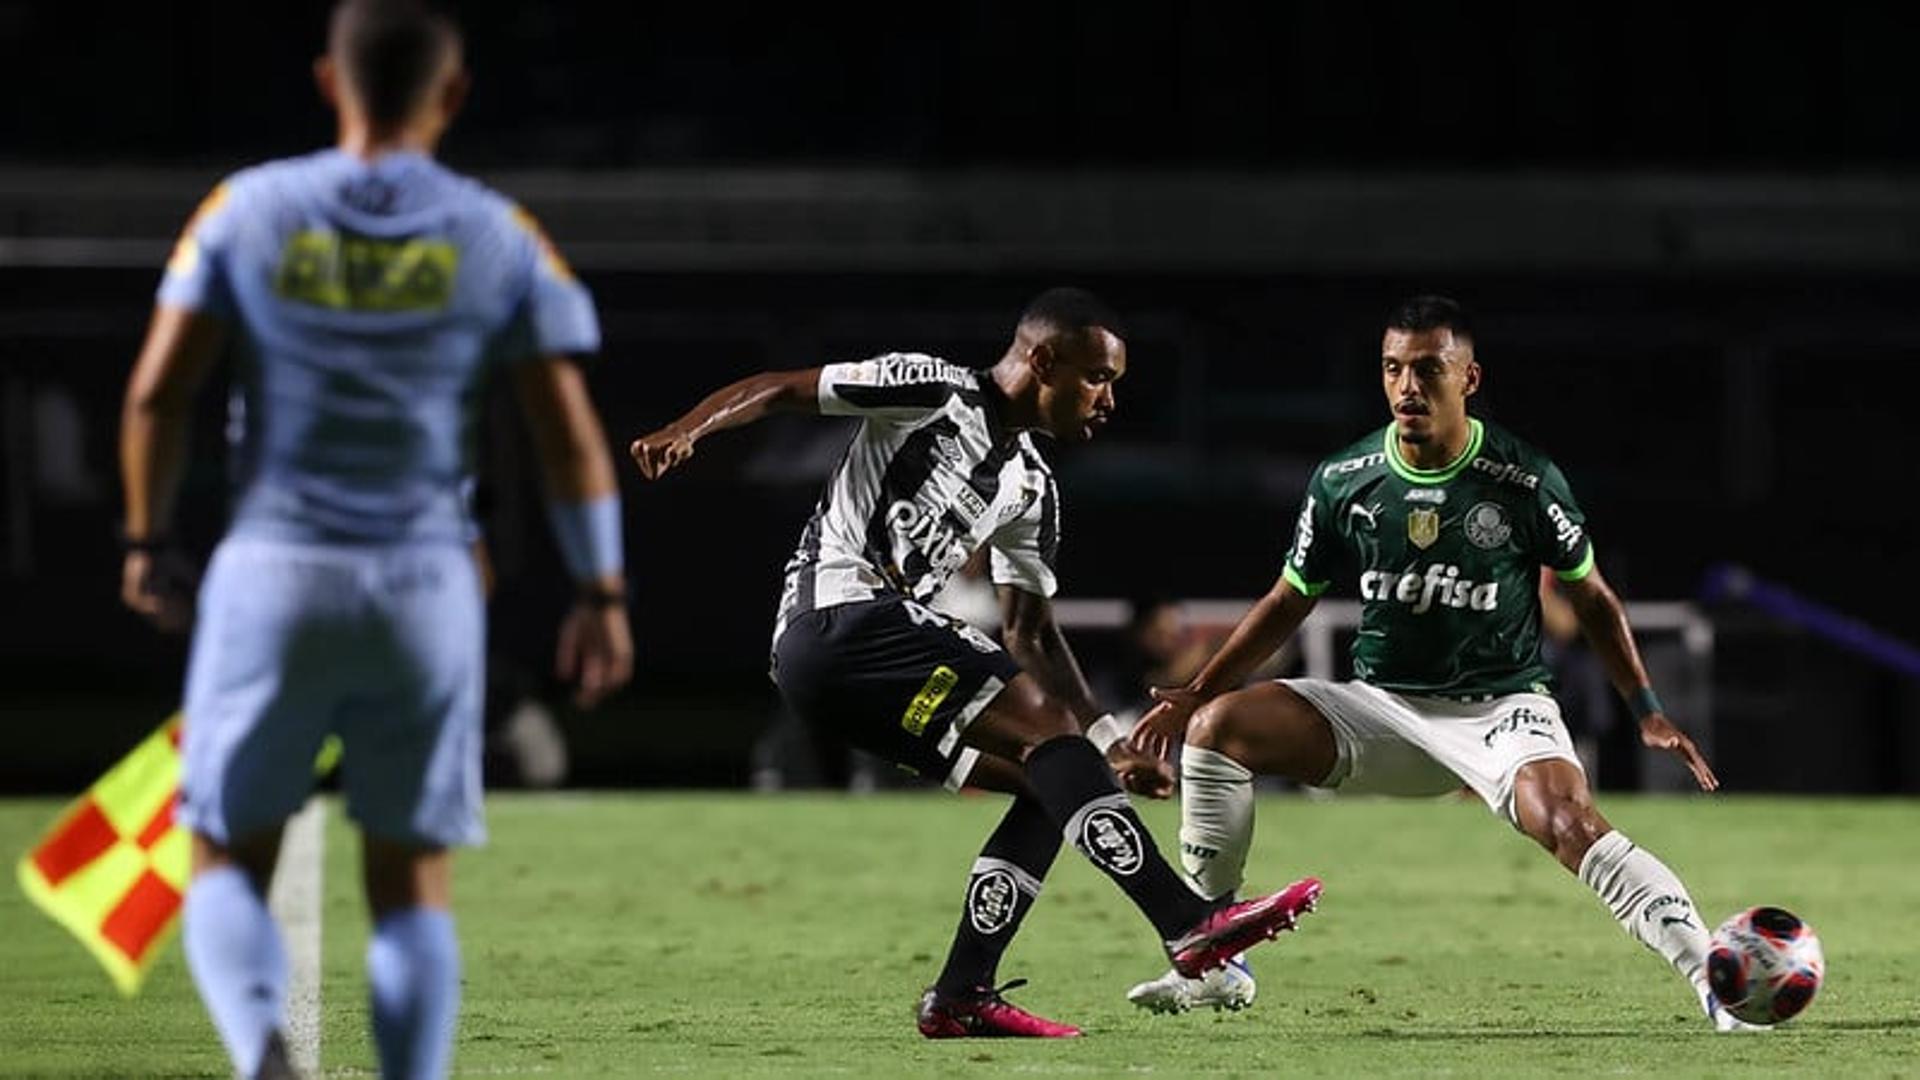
(1072, 780)
(1005, 880)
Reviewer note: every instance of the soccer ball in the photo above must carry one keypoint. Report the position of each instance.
(1765, 965)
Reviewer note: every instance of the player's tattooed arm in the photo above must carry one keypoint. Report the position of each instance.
(1603, 619)
(1036, 643)
(734, 405)
(1261, 631)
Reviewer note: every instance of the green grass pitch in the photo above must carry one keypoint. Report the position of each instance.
(739, 936)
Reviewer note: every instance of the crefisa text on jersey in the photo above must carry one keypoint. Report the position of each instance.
(1440, 583)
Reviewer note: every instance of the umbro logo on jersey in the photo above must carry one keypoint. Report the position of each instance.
(1017, 508)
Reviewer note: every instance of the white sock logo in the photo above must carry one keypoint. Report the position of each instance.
(1671, 910)
(991, 900)
(1110, 839)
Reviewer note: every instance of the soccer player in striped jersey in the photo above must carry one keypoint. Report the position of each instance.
(369, 294)
(942, 464)
(1443, 522)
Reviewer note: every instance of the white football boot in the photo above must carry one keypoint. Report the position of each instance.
(1724, 1021)
(1230, 987)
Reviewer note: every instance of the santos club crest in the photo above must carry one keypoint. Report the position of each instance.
(1423, 526)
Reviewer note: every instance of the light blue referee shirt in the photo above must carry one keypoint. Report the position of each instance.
(369, 300)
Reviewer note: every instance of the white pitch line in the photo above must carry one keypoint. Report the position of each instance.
(295, 901)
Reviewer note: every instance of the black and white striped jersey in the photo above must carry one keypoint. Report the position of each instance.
(932, 474)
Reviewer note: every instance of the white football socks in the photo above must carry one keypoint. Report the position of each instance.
(238, 963)
(1216, 820)
(1650, 903)
(413, 976)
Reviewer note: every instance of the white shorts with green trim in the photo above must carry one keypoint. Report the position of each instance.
(1399, 744)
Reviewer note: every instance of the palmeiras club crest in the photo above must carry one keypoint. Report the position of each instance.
(1487, 525)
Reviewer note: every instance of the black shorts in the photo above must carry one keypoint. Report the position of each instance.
(894, 678)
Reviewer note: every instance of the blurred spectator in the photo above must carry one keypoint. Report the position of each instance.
(1161, 648)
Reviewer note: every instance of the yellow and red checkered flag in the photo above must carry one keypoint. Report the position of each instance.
(113, 869)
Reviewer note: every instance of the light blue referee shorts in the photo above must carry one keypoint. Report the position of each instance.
(384, 646)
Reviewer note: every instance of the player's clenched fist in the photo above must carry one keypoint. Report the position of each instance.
(660, 451)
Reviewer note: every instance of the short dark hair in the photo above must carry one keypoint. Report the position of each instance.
(1432, 313)
(389, 50)
(1071, 310)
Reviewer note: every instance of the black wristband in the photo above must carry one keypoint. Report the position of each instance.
(150, 543)
(599, 597)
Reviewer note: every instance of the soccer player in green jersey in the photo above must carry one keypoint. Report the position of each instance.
(1443, 522)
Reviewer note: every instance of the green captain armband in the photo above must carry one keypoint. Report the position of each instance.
(1580, 571)
(1300, 585)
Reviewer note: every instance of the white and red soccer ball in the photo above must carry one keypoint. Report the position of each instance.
(1765, 965)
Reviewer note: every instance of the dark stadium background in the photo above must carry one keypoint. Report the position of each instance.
(1692, 242)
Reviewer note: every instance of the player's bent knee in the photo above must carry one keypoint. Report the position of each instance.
(1568, 828)
(1269, 729)
(1220, 724)
(1208, 725)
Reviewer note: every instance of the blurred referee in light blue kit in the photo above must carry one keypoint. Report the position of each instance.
(369, 294)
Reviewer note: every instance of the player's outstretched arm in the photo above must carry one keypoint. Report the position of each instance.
(595, 649)
(1603, 619)
(180, 349)
(1262, 630)
(1035, 642)
(734, 405)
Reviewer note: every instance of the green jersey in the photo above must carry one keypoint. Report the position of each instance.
(1447, 560)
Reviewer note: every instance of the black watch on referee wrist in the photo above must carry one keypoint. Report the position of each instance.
(150, 543)
(600, 596)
